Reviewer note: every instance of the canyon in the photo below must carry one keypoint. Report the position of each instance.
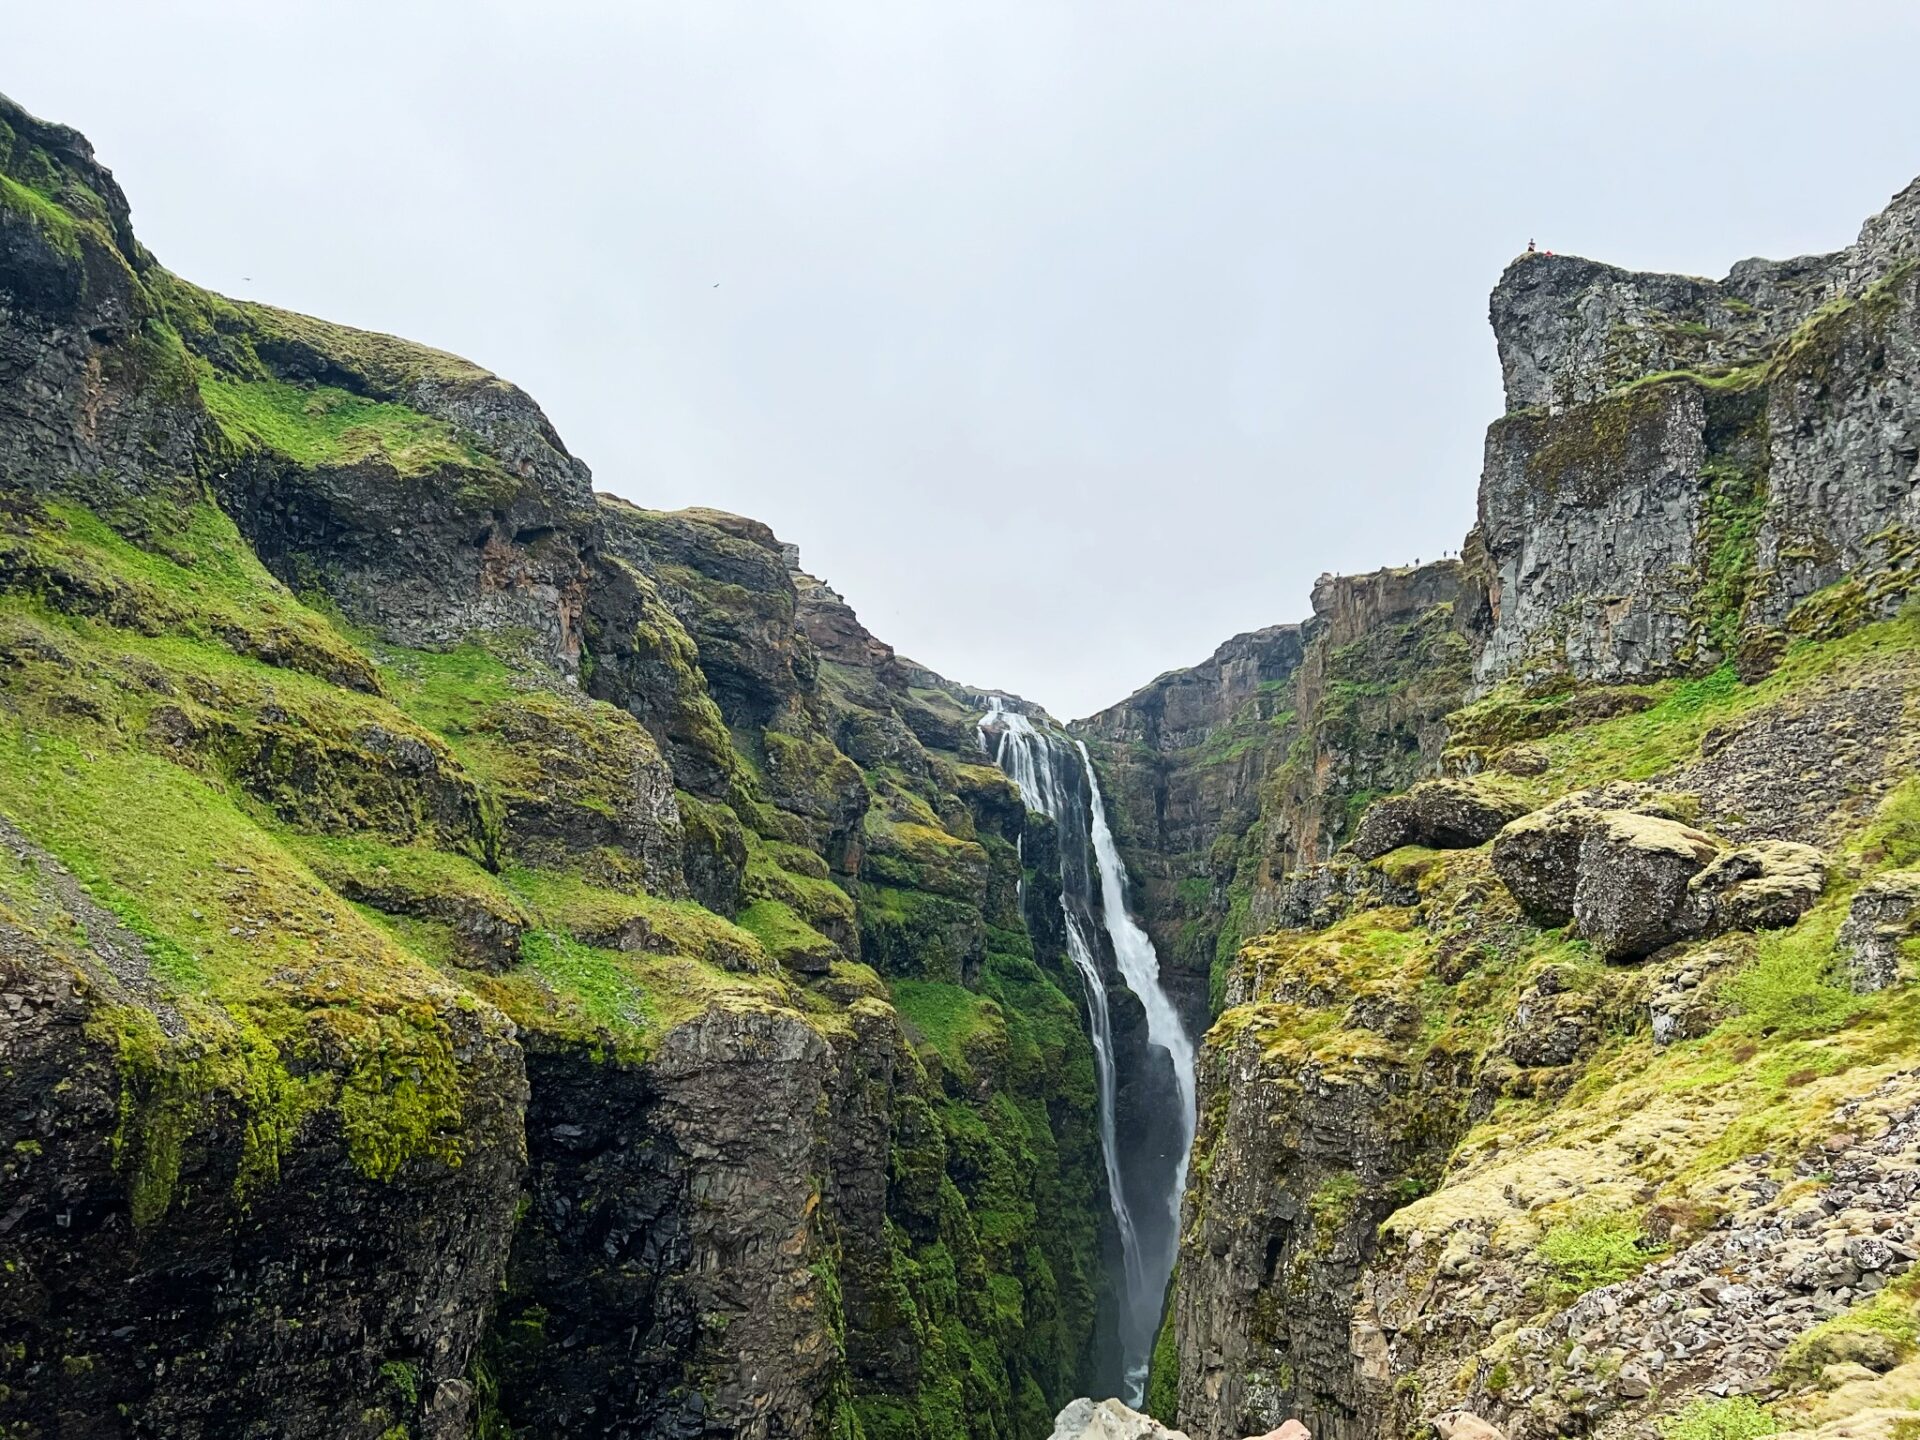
(483, 958)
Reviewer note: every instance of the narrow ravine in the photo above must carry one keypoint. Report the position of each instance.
(1146, 1108)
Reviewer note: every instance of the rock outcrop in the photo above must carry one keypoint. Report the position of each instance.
(1591, 1119)
(1691, 469)
(1438, 814)
(1881, 924)
(480, 957)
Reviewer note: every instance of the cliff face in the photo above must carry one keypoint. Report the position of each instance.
(481, 958)
(1183, 763)
(1685, 462)
(1576, 1088)
(1229, 780)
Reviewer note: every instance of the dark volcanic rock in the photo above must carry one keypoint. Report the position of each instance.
(1442, 814)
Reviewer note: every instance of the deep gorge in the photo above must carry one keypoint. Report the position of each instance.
(483, 958)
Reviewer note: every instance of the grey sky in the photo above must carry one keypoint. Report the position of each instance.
(1066, 339)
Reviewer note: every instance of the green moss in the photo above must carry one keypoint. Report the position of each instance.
(618, 919)
(1892, 838)
(1331, 1206)
(1590, 450)
(404, 1379)
(916, 934)
(323, 425)
(425, 884)
(796, 879)
(62, 230)
(245, 340)
(1163, 1368)
(1738, 1417)
(277, 965)
(600, 982)
(1880, 1332)
(960, 1024)
(786, 937)
(1789, 989)
(193, 579)
(1585, 1252)
(1736, 499)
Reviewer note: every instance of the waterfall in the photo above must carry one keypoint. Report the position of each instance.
(1133, 952)
(1049, 769)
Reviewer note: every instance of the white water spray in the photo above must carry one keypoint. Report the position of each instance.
(1034, 759)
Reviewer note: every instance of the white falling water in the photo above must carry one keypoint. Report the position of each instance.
(1133, 952)
(1032, 758)
(1022, 754)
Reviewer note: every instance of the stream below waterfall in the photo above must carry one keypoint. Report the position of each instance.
(1145, 1082)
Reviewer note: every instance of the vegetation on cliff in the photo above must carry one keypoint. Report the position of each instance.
(389, 817)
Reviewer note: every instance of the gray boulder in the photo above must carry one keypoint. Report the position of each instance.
(1619, 877)
(1885, 914)
(1442, 814)
(1767, 885)
(1537, 858)
(1108, 1420)
(1631, 893)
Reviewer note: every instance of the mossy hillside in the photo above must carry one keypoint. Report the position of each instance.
(296, 1005)
(797, 881)
(995, 1241)
(1571, 1171)
(323, 425)
(1571, 1176)
(1574, 1169)
(1881, 1332)
(191, 577)
(486, 920)
(29, 166)
(1032, 1261)
(996, 1200)
(916, 855)
(574, 781)
(309, 753)
(1672, 718)
(152, 656)
(60, 228)
(324, 395)
(249, 340)
(965, 1031)
(85, 699)
(646, 661)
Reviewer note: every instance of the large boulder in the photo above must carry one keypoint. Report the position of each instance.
(1620, 877)
(1537, 858)
(1631, 894)
(1108, 1420)
(1884, 916)
(1767, 885)
(1441, 814)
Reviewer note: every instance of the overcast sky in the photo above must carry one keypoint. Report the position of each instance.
(1066, 339)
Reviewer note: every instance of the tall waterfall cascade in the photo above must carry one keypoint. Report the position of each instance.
(1146, 1170)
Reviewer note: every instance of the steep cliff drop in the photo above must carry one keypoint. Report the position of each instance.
(1147, 1177)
